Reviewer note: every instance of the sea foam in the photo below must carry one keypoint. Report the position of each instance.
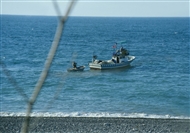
(89, 114)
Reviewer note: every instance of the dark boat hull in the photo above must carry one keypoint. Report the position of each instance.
(80, 68)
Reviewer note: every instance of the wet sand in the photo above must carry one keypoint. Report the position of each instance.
(95, 125)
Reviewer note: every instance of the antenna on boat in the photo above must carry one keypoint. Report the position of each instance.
(121, 42)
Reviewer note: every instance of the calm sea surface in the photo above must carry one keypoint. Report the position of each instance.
(155, 85)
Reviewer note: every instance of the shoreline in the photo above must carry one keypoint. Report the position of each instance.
(95, 124)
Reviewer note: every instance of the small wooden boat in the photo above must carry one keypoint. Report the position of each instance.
(80, 68)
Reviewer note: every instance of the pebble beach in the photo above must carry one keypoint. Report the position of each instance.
(95, 125)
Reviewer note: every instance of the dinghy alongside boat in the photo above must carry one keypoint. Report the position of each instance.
(75, 68)
(120, 59)
(80, 68)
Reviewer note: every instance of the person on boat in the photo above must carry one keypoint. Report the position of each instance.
(124, 52)
(117, 59)
(94, 58)
(74, 64)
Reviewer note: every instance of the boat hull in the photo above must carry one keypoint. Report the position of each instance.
(109, 66)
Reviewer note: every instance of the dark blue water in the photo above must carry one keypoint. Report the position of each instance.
(155, 85)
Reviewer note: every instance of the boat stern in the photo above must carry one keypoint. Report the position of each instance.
(130, 58)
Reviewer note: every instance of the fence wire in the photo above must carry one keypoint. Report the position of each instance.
(44, 74)
(13, 81)
(50, 57)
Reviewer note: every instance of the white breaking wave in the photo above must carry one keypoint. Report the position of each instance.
(102, 114)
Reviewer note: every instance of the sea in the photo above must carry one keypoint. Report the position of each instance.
(155, 85)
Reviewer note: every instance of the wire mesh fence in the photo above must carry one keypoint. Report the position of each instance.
(30, 101)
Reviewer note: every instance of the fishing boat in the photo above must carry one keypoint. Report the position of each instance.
(120, 59)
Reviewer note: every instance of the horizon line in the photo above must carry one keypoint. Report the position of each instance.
(99, 16)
